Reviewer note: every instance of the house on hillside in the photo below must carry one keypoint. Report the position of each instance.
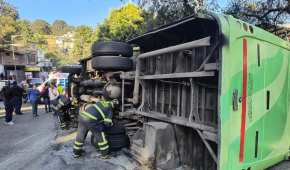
(16, 66)
(65, 42)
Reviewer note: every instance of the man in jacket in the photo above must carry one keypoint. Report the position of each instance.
(17, 97)
(95, 117)
(33, 97)
(46, 98)
(7, 96)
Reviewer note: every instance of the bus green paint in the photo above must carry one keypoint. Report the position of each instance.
(271, 75)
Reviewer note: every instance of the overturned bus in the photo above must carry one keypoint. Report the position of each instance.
(214, 94)
(206, 92)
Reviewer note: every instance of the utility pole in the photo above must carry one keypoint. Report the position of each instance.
(82, 46)
(13, 54)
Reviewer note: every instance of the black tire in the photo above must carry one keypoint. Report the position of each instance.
(92, 83)
(94, 92)
(82, 90)
(111, 48)
(73, 69)
(115, 130)
(112, 63)
(116, 142)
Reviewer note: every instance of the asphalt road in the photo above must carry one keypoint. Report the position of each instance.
(33, 144)
(23, 143)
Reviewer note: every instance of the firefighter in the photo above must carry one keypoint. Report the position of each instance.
(95, 117)
(60, 107)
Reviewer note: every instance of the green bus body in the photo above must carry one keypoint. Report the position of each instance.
(243, 108)
(254, 124)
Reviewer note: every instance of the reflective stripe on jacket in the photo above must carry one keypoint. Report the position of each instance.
(101, 111)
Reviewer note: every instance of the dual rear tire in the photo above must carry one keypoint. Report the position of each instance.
(112, 48)
(112, 56)
(72, 69)
(112, 63)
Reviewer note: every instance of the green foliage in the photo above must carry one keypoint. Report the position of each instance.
(40, 40)
(165, 11)
(122, 24)
(27, 36)
(53, 56)
(8, 15)
(60, 27)
(84, 37)
(7, 9)
(7, 27)
(24, 29)
(41, 27)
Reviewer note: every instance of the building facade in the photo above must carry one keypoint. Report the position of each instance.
(15, 66)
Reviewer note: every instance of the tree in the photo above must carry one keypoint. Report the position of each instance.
(165, 11)
(7, 27)
(122, 24)
(41, 27)
(8, 15)
(264, 13)
(7, 9)
(24, 29)
(53, 56)
(84, 36)
(60, 27)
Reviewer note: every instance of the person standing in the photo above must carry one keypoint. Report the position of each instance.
(53, 96)
(33, 97)
(46, 98)
(17, 97)
(24, 85)
(53, 92)
(7, 95)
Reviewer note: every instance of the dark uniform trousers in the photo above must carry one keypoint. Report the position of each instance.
(18, 104)
(9, 108)
(92, 118)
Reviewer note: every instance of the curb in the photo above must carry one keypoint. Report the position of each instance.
(2, 112)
